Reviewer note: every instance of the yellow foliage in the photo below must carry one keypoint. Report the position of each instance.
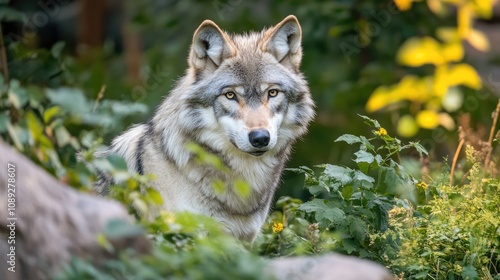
(463, 74)
(417, 52)
(478, 40)
(428, 119)
(420, 51)
(464, 20)
(452, 52)
(436, 6)
(448, 34)
(432, 92)
(409, 88)
(484, 8)
(407, 127)
(403, 5)
(446, 121)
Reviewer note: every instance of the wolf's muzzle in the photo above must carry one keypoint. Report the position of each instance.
(259, 138)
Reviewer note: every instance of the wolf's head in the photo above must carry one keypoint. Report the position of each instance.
(246, 92)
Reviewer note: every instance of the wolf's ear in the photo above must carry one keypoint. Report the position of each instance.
(210, 47)
(283, 41)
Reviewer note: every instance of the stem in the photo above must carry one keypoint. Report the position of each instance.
(455, 158)
(3, 58)
(492, 132)
(100, 95)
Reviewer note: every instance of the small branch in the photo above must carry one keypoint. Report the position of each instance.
(100, 95)
(492, 132)
(455, 158)
(3, 58)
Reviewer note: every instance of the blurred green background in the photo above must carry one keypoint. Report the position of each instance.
(138, 49)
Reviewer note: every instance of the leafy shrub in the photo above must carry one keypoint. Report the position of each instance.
(456, 235)
(186, 246)
(349, 205)
(381, 212)
(49, 124)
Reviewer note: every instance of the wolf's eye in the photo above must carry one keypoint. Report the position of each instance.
(230, 95)
(272, 92)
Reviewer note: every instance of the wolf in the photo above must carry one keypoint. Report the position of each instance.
(242, 99)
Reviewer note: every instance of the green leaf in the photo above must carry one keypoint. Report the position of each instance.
(4, 120)
(50, 113)
(117, 229)
(364, 156)
(242, 188)
(338, 173)
(17, 95)
(470, 272)
(317, 189)
(102, 164)
(154, 196)
(14, 135)
(349, 139)
(70, 99)
(57, 49)
(62, 136)
(35, 95)
(349, 245)
(8, 14)
(104, 243)
(313, 205)
(363, 179)
(366, 145)
(357, 228)
(219, 186)
(347, 192)
(370, 122)
(335, 215)
(421, 275)
(34, 125)
(117, 162)
(126, 109)
(139, 203)
(420, 149)
(364, 159)
(301, 170)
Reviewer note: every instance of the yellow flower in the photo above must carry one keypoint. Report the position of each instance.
(381, 132)
(428, 119)
(422, 185)
(277, 227)
(396, 211)
(403, 5)
(407, 126)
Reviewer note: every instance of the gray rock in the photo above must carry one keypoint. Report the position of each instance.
(54, 222)
(332, 266)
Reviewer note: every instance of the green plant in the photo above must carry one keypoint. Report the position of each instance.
(349, 205)
(186, 246)
(456, 235)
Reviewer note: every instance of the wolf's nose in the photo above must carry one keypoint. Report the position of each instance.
(259, 138)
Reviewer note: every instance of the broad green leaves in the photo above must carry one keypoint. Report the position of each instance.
(356, 202)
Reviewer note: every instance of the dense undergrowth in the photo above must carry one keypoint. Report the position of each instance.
(423, 218)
